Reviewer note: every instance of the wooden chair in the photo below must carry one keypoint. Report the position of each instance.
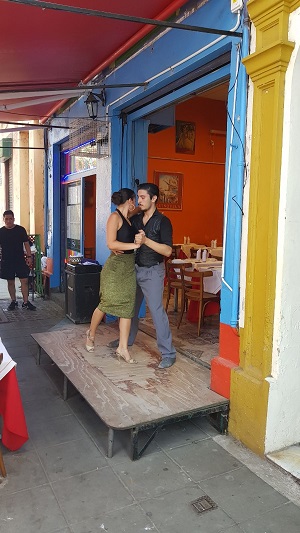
(175, 251)
(46, 273)
(193, 291)
(175, 281)
(2, 467)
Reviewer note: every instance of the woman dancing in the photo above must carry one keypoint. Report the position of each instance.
(118, 281)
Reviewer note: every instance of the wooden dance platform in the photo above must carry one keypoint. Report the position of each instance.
(132, 396)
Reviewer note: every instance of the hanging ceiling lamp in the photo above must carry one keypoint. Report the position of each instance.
(92, 103)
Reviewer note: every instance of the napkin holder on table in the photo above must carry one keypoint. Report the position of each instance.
(198, 255)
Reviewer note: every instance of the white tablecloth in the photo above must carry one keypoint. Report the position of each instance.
(7, 362)
(218, 251)
(212, 283)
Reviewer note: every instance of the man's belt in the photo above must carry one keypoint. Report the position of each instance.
(148, 266)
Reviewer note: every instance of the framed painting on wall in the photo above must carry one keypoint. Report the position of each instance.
(185, 137)
(170, 190)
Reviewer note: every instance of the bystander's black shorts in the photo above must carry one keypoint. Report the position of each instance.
(11, 271)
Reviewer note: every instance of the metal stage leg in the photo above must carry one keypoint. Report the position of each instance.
(110, 443)
(65, 388)
(135, 453)
(220, 421)
(39, 353)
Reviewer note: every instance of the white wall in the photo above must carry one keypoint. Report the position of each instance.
(103, 206)
(244, 240)
(103, 191)
(283, 419)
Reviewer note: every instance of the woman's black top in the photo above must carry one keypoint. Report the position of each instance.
(126, 232)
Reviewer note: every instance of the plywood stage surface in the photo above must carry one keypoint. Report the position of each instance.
(130, 395)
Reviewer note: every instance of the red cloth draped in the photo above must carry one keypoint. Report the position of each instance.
(182, 255)
(212, 308)
(14, 430)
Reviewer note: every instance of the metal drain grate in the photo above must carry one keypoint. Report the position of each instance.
(203, 504)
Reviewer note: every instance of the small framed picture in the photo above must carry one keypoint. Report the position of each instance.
(185, 137)
(170, 190)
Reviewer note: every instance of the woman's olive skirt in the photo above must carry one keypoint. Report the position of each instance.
(118, 286)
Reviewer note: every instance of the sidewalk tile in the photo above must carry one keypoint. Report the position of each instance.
(31, 511)
(285, 518)
(174, 513)
(131, 519)
(152, 476)
(25, 471)
(71, 458)
(242, 494)
(91, 495)
(46, 433)
(204, 459)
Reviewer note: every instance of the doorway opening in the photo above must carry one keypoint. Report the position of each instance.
(188, 141)
(80, 217)
(89, 217)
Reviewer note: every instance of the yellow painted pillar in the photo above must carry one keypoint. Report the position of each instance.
(20, 179)
(36, 183)
(267, 68)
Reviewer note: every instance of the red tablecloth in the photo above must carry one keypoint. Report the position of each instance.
(14, 429)
(212, 308)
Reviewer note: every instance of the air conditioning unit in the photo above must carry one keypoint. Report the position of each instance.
(5, 149)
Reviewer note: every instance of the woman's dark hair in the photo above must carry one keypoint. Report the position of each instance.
(121, 196)
(151, 189)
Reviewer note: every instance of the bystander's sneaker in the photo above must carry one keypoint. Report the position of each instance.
(29, 306)
(13, 304)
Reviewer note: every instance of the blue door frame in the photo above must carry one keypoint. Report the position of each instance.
(130, 163)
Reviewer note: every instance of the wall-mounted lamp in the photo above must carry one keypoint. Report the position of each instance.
(92, 103)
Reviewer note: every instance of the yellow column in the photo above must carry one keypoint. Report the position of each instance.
(267, 68)
(36, 183)
(20, 179)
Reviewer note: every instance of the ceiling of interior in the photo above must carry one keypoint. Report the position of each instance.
(219, 92)
(47, 50)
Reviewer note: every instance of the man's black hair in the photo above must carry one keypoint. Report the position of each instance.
(8, 212)
(151, 189)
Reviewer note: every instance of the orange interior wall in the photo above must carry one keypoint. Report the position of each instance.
(201, 217)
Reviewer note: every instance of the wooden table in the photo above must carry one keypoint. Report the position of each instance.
(210, 284)
(216, 252)
(186, 248)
